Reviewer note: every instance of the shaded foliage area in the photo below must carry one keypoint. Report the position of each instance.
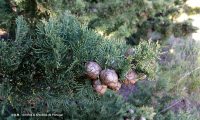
(115, 18)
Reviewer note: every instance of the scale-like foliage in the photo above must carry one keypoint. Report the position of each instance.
(47, 71)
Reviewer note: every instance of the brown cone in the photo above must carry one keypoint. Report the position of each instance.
(115, 86)
(131, 77)
(108, 76)
(92, 70)
(100, 89)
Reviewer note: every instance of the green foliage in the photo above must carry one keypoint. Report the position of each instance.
(145, 58)
(115, 108)
(121, 19)
(143, 95)
(116, 18)
(147, 112)
(13, 52)
(46, 73)
(181, 116)
(179, 76)
(6, 15)
(42, 70)
(183, 69)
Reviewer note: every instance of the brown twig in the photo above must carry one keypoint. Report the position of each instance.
(187, 74)
(165, 109)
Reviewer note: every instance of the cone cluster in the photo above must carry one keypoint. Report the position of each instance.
(107, 78)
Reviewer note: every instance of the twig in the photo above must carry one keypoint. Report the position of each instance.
(187, 74)
(164, 110)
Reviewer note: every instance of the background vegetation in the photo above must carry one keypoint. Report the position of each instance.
(42, 60)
